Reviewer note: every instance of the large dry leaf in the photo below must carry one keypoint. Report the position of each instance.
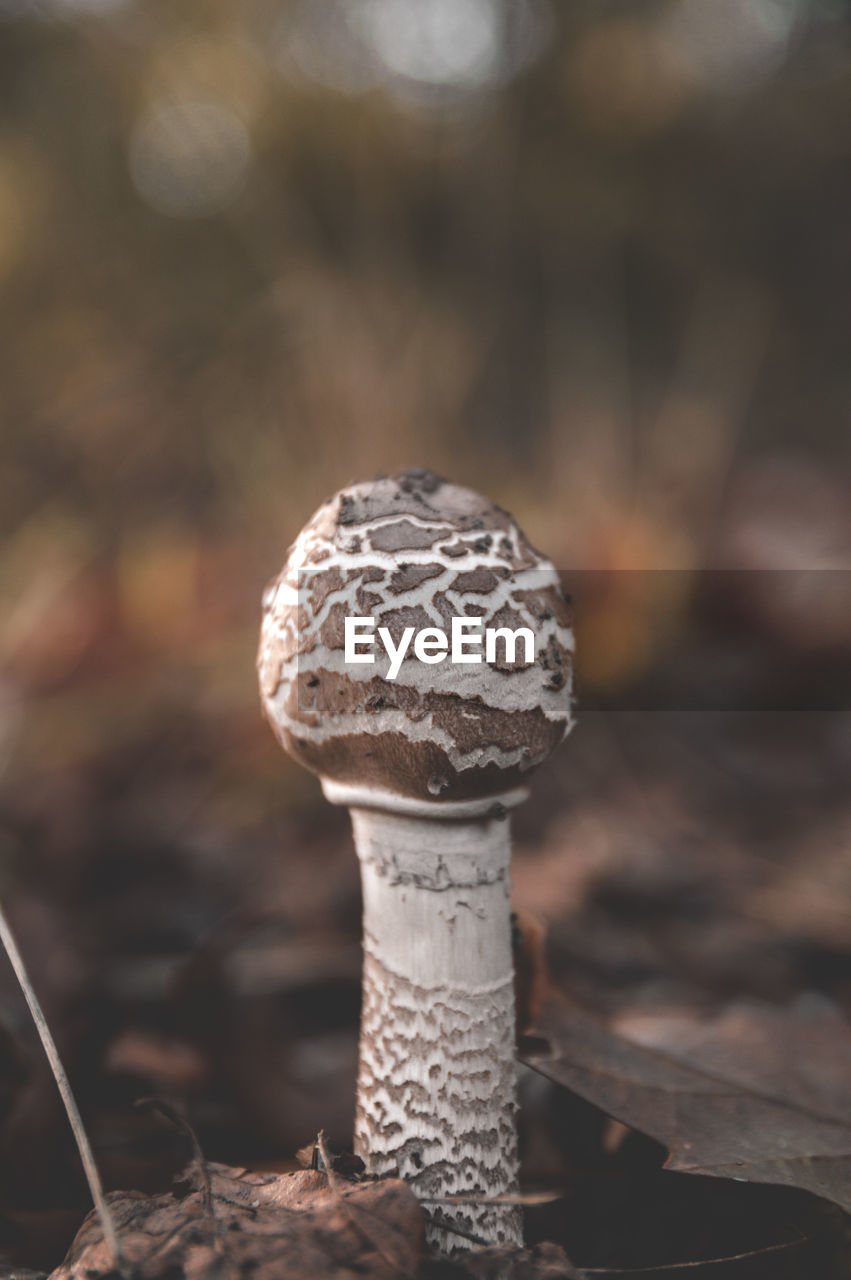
(263, 1224)
(267, 1225)
(759, 1094)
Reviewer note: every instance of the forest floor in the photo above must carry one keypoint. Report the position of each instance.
(189, 909)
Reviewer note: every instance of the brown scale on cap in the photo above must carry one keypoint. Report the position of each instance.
(415, 550)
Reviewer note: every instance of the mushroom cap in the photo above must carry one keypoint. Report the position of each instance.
(412, 550)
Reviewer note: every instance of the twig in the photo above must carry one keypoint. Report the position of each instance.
(355, 1213)
(700, 1262)
(173, 1116)
(438, 1220)
(517, 1198)
(326, 1167)
(90, 1169)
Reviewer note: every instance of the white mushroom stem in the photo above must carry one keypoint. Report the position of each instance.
(437, 1082)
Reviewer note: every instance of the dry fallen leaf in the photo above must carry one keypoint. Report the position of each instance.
(232, 1221)
(756, 1096)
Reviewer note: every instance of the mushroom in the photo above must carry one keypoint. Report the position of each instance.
(429, 751)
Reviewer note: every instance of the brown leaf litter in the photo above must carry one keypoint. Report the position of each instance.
(256, 1223)
(758, 1095)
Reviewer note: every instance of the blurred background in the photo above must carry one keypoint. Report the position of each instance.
(591, 258)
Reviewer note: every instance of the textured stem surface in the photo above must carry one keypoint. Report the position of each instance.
(437, 1077)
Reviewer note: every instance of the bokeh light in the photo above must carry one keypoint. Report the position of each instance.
(731, 44)
(189, 158)
(319, 41)
(441, 42)
(422, 52)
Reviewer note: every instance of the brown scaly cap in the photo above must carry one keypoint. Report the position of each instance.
(414, 550)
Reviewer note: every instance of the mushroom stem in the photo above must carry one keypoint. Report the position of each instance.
(437, 1078)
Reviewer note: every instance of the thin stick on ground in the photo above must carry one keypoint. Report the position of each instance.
(62, 1083)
